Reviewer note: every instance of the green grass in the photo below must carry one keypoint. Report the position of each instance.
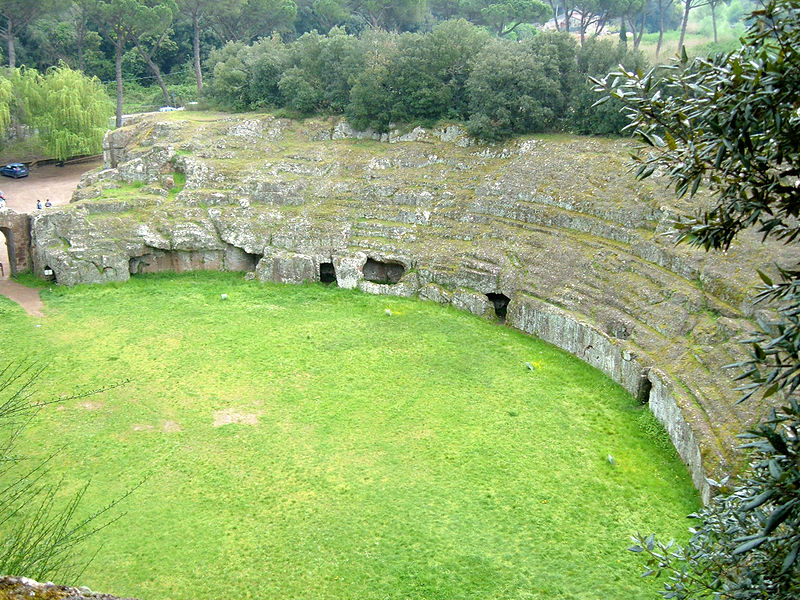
(403, 456)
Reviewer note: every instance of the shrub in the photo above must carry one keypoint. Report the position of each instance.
(521, 87)
(595, 59)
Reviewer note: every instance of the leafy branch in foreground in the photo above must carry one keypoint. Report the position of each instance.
(38, 532)
(747, 541)
(731, 124)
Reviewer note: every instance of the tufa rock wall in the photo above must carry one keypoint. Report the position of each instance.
(552, 234)
(16, 229)
(22, 588)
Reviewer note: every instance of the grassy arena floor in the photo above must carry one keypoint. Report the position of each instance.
(365, 456)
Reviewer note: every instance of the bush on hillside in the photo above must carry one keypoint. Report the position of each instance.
(595, 59)
(521, 87)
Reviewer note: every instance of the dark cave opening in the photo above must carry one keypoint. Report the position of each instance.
(383, 272)
(327, 273)
(500, 302)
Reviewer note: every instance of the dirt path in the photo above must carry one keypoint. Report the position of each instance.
(48, 181)
(27, 298)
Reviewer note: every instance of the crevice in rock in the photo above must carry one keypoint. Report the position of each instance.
(139, 264)
(645, 385)
(500, 302)
(327, 273)
(378, 271)
(238, 259)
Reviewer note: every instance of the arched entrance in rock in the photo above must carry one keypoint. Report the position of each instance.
(15, 242)
(5, 258)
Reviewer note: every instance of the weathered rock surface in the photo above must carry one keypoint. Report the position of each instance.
(22, 588)
(556, 227)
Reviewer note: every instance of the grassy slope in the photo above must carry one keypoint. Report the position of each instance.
(403, 456)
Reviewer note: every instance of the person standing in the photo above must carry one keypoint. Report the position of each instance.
(39, 204)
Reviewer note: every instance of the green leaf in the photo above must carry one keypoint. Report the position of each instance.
(759, 500)
(778, 516)
(747, 546)
(790, 559)
(764, 277)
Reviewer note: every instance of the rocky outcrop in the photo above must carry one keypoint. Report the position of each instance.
(22, 588)
(552, 235)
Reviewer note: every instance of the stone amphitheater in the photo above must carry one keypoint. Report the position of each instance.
(552, 235)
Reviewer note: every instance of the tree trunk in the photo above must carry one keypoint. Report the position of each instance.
(196, 41)
(118, 66)
(638, 37)
(81, 64)
(554, 6)
(688, 7)
(156, 71)
(713, 6)
(80, 37)
(12, 55)
(660, 28)
(566, 17)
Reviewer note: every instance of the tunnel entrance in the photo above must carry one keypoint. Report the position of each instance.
(48, 274)
(378, 271)
(500, 302)
(645, 385)
(5, 254)
(327, 273)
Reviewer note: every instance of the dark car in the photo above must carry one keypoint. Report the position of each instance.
(14, 170)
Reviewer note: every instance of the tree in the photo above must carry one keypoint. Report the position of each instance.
(73, 113)
(17, 14)
(730, 123)
(635, 13)
(330, 13)
(81, 12)
(324, 67)
(502, 17)
(712, 4)
(390, 14)
(246, 20)
(521, 87)
(595, 59)
(567, 8)
(49, 39)
(6, 100)
(688, 5)
(663, 7)
(596, 13)
(113, 16)
(149, 24)
(24, 85)
(196, 11)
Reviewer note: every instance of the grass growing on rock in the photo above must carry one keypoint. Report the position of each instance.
(298, 442)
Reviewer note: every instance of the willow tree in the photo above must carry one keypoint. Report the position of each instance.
(72, 114)
(23, 98)
(6, 98)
